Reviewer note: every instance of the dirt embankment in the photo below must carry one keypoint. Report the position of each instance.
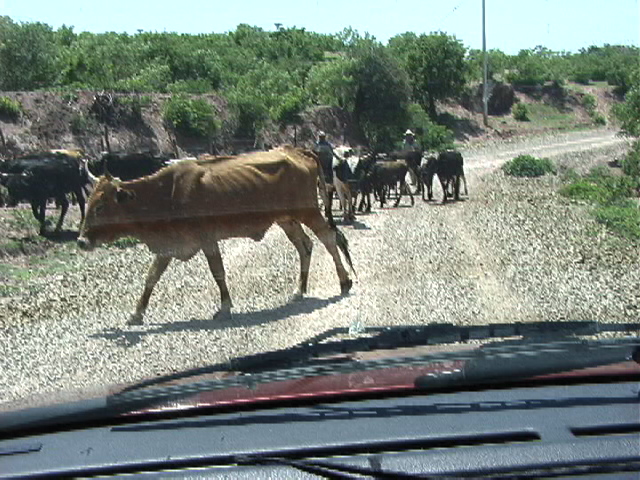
(135, 122)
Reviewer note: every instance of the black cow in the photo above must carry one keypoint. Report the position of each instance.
(128, 166)
(363, 181)
(413, 159)
(37, 177)
(449, 167)
(390, 174)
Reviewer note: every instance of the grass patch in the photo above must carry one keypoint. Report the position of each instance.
(10, 108)
(622, 220)
(23, 222)
(520, 112)
(528, 166)
(611, 194)
(549, 116)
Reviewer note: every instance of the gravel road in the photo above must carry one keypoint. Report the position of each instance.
(514, 251)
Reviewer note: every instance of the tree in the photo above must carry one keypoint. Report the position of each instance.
(437, 69)
(629, 112)
(629, 115)
(527, 68)
(401, 45)
(27, 56)
(333, 83)
(382, 95)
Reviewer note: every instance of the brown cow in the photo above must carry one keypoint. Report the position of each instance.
(192, 205)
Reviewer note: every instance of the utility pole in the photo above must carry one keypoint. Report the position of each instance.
(485, 96)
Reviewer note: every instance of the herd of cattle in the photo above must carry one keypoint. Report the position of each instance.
(182, 206)
(59, 174)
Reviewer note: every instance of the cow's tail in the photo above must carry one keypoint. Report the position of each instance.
(341, 240)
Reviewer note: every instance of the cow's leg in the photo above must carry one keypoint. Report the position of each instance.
(159, 265)
(348, 213)
(399, 192)
(456, 187)
(64, 206)
(39, 209)
(464, 180)
(340, 190)
(214, 258)
(328, 237)
(304, 245)
(444, 184)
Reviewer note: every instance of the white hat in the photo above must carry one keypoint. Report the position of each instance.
(408, 132)
(322, 134)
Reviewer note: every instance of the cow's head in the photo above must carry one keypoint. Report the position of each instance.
(20, 186)
(106, 212)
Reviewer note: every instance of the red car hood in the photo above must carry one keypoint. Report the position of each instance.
(382, 380)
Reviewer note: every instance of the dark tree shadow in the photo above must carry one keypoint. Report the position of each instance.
(130, 336)
(463, 128)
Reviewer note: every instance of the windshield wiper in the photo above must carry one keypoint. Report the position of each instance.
(311, 351)
(511, 363)
(501, 362)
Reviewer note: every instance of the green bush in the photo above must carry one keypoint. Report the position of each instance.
(599, 119)
(623, 220)
(430, 135)
(600, 187)
(135, 103)
(190, 116)
(528, 166)
(520, 112)
(10, 108)
(611, 193)
(589, 102)
(192, 85)
(80, 124)
(631, 162)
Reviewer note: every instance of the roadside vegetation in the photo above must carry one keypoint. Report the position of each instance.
(267, 78)
(528, 166)
(10, 109)
(615, 193)
(612, 196)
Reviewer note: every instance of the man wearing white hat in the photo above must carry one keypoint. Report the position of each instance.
(409, 141)
(410, 145)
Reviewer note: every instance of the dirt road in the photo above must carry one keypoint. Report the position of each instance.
(514, 251)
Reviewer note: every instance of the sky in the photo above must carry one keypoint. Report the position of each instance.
(511, 25)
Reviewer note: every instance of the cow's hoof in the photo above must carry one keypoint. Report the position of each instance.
(297, 296)
(135, 319)
(345, 286)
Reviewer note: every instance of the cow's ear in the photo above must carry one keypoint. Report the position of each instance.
(124, 195)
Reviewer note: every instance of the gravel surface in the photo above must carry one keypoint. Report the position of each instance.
(514, 251)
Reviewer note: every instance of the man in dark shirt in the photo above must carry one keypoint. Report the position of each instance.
(324, 150)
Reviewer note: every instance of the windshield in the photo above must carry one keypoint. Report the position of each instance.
(183, 190)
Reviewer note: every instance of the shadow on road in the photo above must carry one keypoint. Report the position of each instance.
(130, 336)
(63, 236)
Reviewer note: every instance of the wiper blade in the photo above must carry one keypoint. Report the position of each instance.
(508, 363)
(407, 336)
(502, 361)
